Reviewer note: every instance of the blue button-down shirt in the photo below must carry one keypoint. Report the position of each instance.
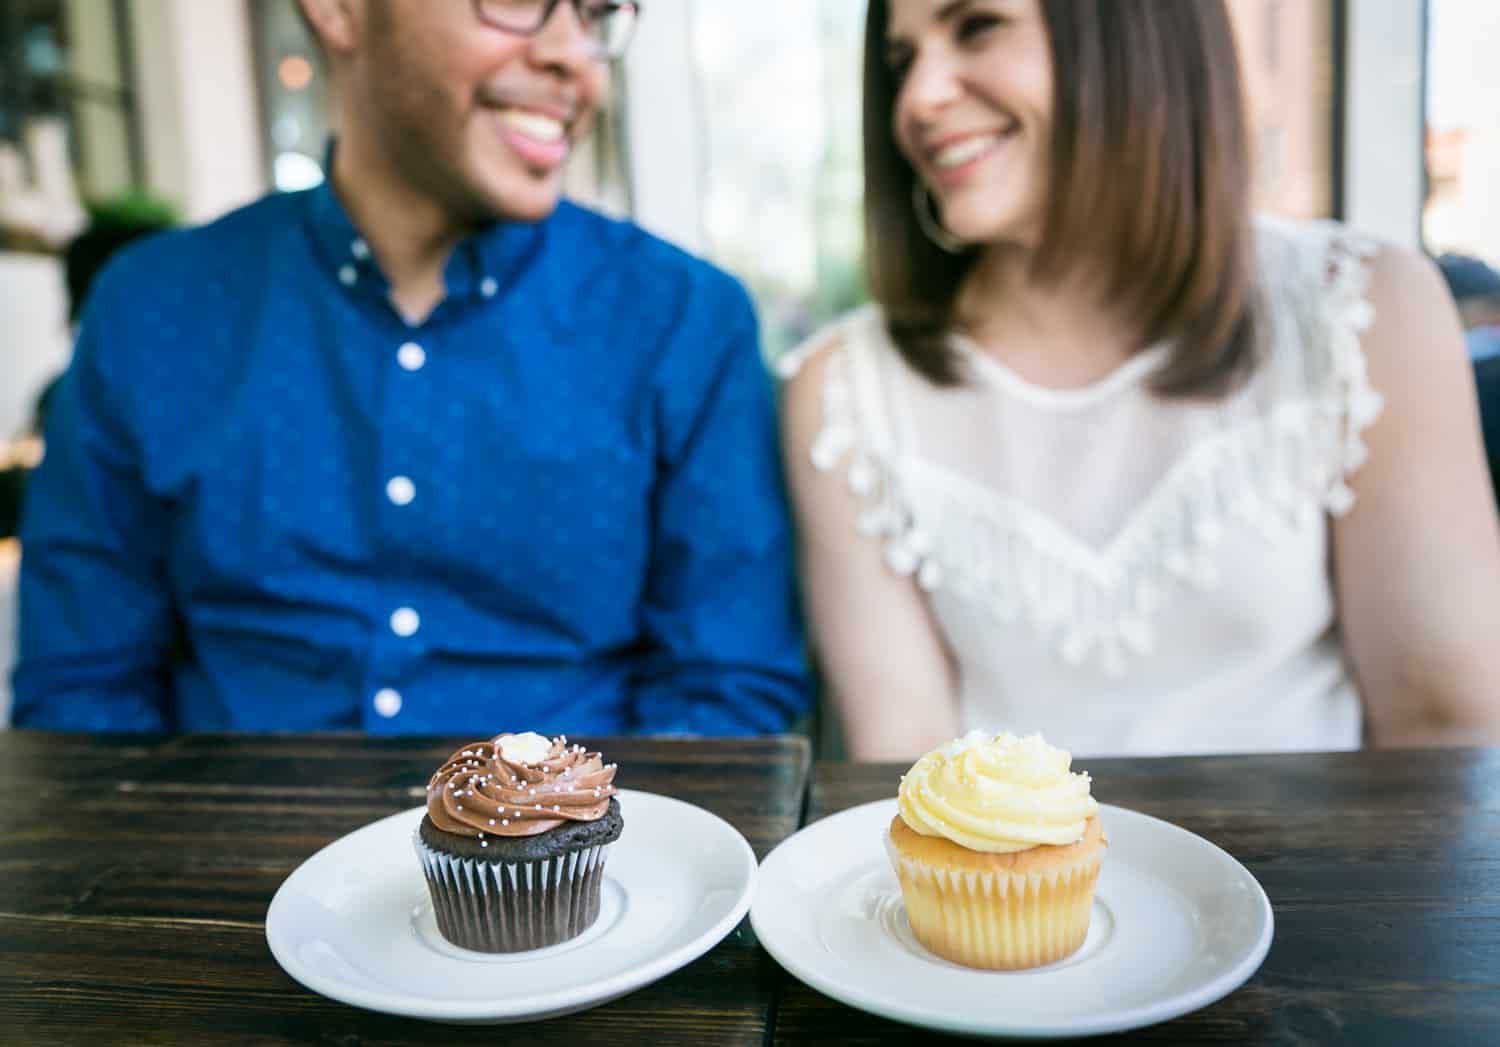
(269, 502)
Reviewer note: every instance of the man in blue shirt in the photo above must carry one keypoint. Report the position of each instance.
(423, 449)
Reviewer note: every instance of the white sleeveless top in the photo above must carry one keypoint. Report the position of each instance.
(1126, 574)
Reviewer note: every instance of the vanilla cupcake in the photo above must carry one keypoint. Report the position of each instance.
(997, 846)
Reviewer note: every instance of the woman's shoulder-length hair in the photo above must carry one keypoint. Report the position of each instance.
(1150, 184)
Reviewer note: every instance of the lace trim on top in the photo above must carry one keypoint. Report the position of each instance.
(1268, 473)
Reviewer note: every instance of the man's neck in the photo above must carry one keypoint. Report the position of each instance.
(409, 233)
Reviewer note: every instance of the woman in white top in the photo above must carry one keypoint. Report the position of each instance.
(1112, 459)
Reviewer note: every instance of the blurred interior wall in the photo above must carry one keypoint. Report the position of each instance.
(1287, 49)
(1384, 122)
(200, 124)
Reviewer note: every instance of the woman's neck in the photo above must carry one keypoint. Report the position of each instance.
(1058, 334)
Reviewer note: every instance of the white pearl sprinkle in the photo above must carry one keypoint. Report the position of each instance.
(484, 843)
(492, 821)
(504, 821)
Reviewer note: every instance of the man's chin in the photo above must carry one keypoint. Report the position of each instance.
(521, 203)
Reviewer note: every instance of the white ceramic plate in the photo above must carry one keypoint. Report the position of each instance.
(1177, 924)
(354, 921)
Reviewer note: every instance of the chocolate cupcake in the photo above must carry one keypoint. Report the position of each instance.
(514, 841)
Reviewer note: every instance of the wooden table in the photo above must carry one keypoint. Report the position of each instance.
(1383, 870)
(135, 875)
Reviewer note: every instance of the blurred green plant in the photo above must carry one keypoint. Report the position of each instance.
(133, 207)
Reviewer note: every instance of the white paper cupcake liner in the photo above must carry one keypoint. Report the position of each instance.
(998, 920)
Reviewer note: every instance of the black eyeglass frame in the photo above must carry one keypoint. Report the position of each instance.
(591, 13)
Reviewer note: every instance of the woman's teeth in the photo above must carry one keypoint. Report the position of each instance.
(960, 153)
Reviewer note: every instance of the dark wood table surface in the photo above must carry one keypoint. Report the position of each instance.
(135, 874)
(1383, 870)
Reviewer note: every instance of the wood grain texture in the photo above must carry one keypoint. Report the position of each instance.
(1383, 869)
(135, 874)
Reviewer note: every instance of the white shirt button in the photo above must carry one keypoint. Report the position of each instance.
(400, 490)
(488, 287)
(359, 249)
(411, 356)
(387, 702)
(405, 622)
(347, 275)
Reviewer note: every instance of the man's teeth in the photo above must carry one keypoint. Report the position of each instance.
(533, 125)
(962, 152)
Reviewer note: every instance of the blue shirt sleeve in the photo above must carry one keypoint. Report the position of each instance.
(720, 609)
(95, 615)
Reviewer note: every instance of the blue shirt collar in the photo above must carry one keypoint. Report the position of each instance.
(484, 264)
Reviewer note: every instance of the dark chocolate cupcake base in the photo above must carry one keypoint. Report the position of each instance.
(528, 893)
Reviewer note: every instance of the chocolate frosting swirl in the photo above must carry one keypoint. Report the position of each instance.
(518, 785)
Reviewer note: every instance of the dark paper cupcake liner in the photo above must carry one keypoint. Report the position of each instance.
(500, 906)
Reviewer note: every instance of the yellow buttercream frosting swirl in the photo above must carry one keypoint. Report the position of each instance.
(997, 793)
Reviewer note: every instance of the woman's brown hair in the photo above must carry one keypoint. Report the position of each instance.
(1150, 181)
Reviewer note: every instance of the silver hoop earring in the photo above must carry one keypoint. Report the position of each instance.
(932, 228)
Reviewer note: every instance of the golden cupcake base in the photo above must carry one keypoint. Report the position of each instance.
(997, 911)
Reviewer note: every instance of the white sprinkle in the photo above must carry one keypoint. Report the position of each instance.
(484, 843)
(492, 821)
(506, 821)
(555, 808)
(460, 807)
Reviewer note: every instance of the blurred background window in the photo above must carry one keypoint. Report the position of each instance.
(66, 72)
(1462, 210)
(778, 86)
(293, 89)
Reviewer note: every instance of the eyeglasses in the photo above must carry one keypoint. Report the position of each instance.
(608, 23)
